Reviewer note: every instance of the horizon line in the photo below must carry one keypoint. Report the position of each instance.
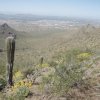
(45, 15)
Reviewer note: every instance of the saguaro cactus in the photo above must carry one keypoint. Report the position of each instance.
(10, 44)
(41, 61)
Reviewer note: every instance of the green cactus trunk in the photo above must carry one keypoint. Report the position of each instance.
(10, 43)
(41, 61)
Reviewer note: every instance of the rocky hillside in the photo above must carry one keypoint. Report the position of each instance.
(6, 30)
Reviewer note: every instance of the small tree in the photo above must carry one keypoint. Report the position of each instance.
(10, 45)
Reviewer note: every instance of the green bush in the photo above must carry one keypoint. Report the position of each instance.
(2, 83)
(66, 76)
(23, 92)
(20, 94)
(69, 70)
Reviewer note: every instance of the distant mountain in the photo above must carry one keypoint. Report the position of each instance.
(30, 17)
(6, 30)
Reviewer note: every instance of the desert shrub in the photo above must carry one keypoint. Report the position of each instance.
(19, 94)
(2, 83)
(66, 76)
(69, 70)
(20, 89)
(83, 56)
(19, 81)
(43, 65)
(22, 92)
(18, 76)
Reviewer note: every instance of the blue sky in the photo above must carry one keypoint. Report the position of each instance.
(70, 8)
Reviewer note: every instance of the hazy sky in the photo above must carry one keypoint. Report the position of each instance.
(73, 8)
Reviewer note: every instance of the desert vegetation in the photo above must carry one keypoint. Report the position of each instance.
(51, 63)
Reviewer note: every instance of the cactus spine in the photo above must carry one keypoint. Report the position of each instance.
(10, 44)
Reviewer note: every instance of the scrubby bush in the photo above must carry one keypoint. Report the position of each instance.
(18, 76)
(19, 94)
(69, 70)
(20, 89)
(23, 92)
(2, 83)
(83, 56)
